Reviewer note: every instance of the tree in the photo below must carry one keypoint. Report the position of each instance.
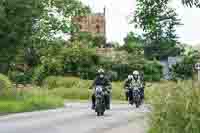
(158, 23)
(16, 22)
(132, 37)
(30, 23)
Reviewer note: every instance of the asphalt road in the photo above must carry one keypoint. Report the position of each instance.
(78, 118)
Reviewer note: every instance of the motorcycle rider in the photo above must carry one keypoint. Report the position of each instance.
(127, 85)
(102, 80)
(138, 83)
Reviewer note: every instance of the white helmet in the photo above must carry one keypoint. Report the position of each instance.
(136, 73)
(130, 77)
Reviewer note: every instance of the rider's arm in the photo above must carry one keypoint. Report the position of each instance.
(93, 84)
(126, 84)
(108, 84)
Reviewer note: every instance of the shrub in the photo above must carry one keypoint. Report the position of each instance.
(152, 71)
(40, 73)
(5, 86)
(185, 69)
(21, 77)
(176, 108)
(112, 75)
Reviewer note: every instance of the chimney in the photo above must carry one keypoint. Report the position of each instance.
(104, 10)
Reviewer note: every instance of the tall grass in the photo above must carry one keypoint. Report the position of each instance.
(75, 88)
(176, 107)
(29, 100)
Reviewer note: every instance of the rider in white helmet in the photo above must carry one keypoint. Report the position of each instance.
(137, 82)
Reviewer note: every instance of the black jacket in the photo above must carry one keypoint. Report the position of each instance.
(127, 83)
(102, 82)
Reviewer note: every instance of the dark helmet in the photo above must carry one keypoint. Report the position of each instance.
(101, 73)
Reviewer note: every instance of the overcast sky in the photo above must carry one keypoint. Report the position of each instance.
(118, 15)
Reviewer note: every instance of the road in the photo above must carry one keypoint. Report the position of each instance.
(78, 118)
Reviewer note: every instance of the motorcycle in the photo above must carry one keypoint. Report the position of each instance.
(136, 97)
(100, 105)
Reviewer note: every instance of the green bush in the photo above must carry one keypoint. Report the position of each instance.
(152, 71)
(6, 88)
(40, 73)
(185, 69)
(175, 108)
(112, 75)
(21, 77)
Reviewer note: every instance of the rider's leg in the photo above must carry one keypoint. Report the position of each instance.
(127, 95)
(93, 101)
(142, 93)
(130, 95)
(107, 101)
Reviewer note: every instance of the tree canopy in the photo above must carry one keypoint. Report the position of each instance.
(158, 22)
(27, 23)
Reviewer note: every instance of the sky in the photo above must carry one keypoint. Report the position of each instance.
(118, 14)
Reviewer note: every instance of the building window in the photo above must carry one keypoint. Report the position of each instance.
(80, 27)
(98, 28)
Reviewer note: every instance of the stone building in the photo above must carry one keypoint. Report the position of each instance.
(94, 23)
(168, 64)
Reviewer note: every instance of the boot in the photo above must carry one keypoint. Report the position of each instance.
(107, 98)
(93, 102)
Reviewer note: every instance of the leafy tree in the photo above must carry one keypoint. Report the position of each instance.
(158, 23)
(133, 43)
(31, 24)
(16, 22)
(132, 37)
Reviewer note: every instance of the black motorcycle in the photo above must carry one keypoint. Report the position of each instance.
(100, 104)
(135, 97)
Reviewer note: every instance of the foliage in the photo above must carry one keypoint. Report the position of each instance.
(185, 69)
(152, 71)
(79, 60)
(89, 40)
(5, 86)
(26, 101)
(21, 77)
(39, 74)
(52, 82)
(30, 25)
(76, 88)
(133, 43)
(56, 19)
(158, 23)
(16, 27)
(175, 107)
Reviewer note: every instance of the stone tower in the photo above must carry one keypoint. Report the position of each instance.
(94, 23)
